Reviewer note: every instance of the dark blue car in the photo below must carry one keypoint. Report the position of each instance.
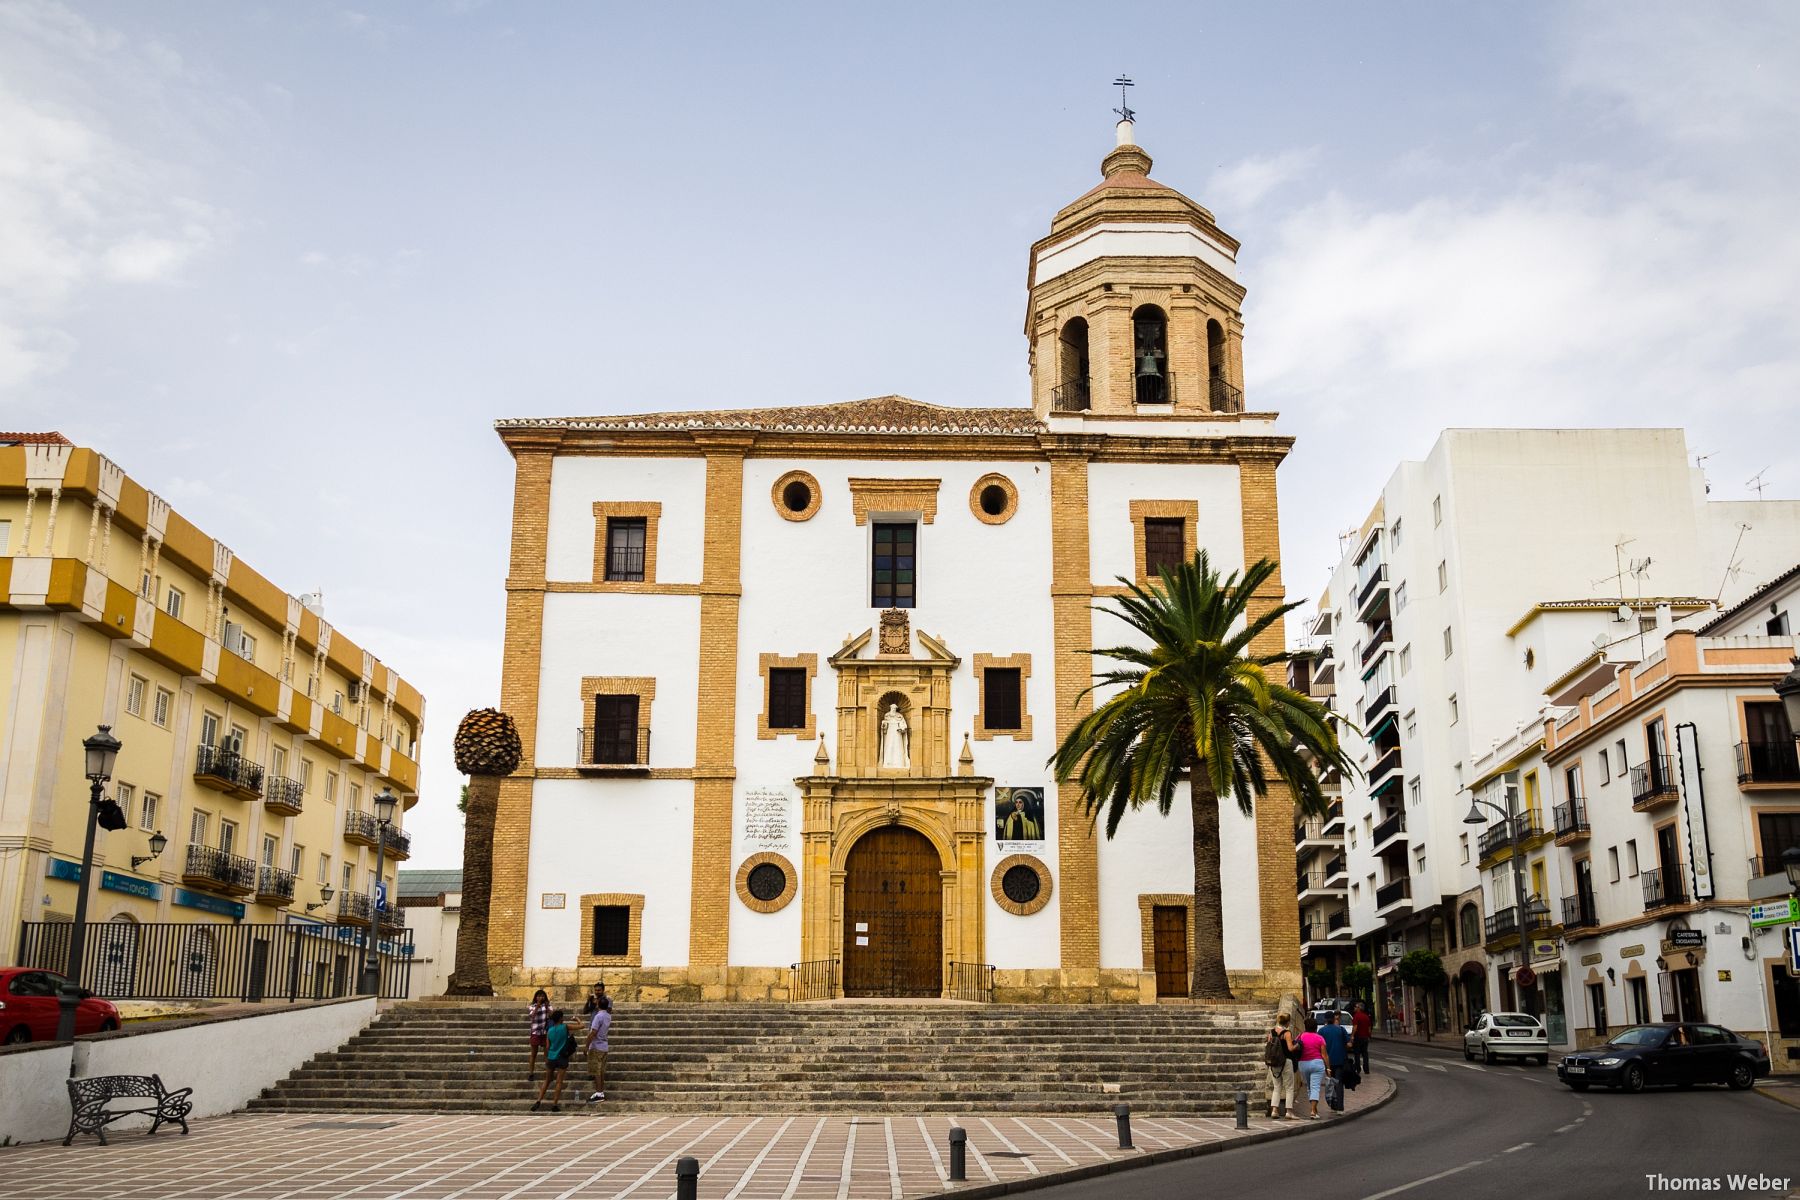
(1678, 1055)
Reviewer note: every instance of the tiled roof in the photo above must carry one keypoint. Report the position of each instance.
(429, 883)
(881, 414)
(49, 438)
(1751, 601)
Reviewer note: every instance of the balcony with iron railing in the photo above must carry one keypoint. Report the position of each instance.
(1768, 864)
(1387, 763)
(1381, 635)
(1312, 933)
(218, 871)
(274, 886)
(1383, 700)
(1653, 783)
(1335, 869)
(1316, 884)
(1312, 830)
(1223, 397)
(611, 750)
(1578, 914)
(1070, 396)
(1501, 926)
(1571, 821)
(226, 770)
(1334, 819)
(1663, 888)
(1368, 585)
(282, 797)
(1390, 829)
(1768, 762)
(1391, 896)
(1496, 843)
(1337, 925)
(360, 827)
(353, 908)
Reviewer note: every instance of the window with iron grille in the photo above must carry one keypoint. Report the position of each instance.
(893, 569)
(787, 697)
(615, 729)
(1000, 707)
(625, 548)
(1164, 539)
(612, 929)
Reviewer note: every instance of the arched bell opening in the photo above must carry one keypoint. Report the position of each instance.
(1150, 354)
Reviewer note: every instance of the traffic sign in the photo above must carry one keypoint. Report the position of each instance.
(1794, 949)
(380, 897)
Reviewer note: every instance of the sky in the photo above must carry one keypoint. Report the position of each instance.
(287, 262)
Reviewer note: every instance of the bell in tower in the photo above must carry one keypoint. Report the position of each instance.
(1135, 308)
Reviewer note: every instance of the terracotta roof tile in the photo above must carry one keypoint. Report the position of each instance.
(880, 414)
(50, 438)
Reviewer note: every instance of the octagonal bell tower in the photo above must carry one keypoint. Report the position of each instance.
(1135, 308)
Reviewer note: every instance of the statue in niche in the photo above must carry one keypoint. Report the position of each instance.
(895, 739)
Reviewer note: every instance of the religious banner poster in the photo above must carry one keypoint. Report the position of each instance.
(767, 816)
(1019, 818)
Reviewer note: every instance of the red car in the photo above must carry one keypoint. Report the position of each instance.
(28, 1007)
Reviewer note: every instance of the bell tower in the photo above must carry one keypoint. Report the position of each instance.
(1135, 308)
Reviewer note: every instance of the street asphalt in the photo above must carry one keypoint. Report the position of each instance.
(1471, 1132)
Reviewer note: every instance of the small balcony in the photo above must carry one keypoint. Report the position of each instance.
(1578, 914)
(1571, 822)
(1337, 926)
(1496, 843)
(1393, 899)
(353, 908)
(1316, 885)
(1501, 928)
(1387, 763)
(1767, 864)
(217, 871)
(613, 751)
(360, 828)
(1366, 588)
(1071, 396)
(1663, 888)
(282, 797)
(396, 843)
(1311, 832)
(1224, 397)
(1386, 832)
(225, 770)
(1768, 762)
(274, 886)
(1311, 935)
(1336, 872)
(1384, 700)
(1653, 783)
(1383, 635)
(1334, 820)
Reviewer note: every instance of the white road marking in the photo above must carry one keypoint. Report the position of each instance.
(1017, 1153)
(1471, 1067)
(849, 1156)
(1436, 1067)
(794, 1180)
(1520, 1146)
(1407, 1187)
(1394, 1066)
(750, 1171)
(887, 1124)
(937, 1160)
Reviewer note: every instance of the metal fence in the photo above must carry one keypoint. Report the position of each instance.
(971, 981)
(129, 960)
(815, 980)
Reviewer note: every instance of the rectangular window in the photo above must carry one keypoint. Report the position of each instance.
(1437, 511)
(1631, 858)
(1453, 710)
(1415, 792)
(159, 709)
(625, 538)
(356, 797)
(1777, 625)
(1766, 724)
(305, 776)
(1400, 596)
(616, 729)
(173, 604)
(271, 846)
(1777, 833)
(1412, 724)
(1406, 659)
(134, 695)
(209, 729)
(331, 787)
(348, 870)
(1606, 773)
(1000, 707)
(198, 823)
(147, 820)
(1449, 643)
(227, 836)
(1443, 576)
(787, 698)
(1165, 543)
(125, 795)
(1395, 535)
(5, 536)
(278, 762)
(1620, 760)
(1612, 862)
(246, 647)
(1465, 846)
(296, 856)
(1572, 783)
(612, 929)
(893, 568)
(324, 868)
(1597, 1006)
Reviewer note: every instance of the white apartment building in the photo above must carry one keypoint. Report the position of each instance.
(1479, 574)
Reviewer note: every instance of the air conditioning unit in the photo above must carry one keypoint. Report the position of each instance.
(355, 690)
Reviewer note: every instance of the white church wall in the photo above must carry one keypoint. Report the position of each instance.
(619, 634)
(631, 836)
(1113, 486)
(576, 482)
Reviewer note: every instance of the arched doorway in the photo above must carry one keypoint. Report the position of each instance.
(893, 915)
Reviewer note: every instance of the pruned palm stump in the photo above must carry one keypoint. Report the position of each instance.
(487, 749)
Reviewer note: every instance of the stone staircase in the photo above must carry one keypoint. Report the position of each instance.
(459, 1056)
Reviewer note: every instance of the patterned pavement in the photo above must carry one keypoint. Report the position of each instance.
(299, 1156)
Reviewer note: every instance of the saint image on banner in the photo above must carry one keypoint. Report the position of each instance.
(1019, 814)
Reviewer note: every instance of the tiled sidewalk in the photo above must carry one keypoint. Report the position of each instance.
(301, 1157)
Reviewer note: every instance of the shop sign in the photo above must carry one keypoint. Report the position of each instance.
(1774, 912)
(112, 881)
(62, 868)
(1631, 951)
(211, 904)
(1592, 960)
(1687, 939)
(1542, 948)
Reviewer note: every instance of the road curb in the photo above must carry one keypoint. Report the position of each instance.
(1779, 1096)
(1153, 1158)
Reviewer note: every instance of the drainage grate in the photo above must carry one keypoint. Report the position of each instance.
(347, 1125)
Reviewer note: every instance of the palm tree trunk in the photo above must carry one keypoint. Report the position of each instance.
(472, 977)
(1210, 981)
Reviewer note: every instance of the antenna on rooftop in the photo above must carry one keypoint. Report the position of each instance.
(1124, 109)
(1700, 466)
(1732, 565)
(1756, 482)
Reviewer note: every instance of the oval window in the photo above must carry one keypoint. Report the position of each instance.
(796, 495)
(993, 499)
(767, 881)
(1021, 884)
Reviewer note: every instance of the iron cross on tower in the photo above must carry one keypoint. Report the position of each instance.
(1124, 109)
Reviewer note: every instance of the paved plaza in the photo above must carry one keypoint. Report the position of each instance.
(583, 1153)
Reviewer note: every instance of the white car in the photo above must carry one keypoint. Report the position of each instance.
(1507, 1035)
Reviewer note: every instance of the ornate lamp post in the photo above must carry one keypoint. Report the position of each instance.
(1514, 825)
(1790, 862)
(101, 750)
(1788, 688)
(385, 804)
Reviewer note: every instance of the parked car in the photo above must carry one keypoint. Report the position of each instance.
(29, 1009)
(1506, 1035)
(1681, 1055)
(1320, 1013)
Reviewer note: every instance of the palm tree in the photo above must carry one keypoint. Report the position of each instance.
(487, 748)
(1195, 702)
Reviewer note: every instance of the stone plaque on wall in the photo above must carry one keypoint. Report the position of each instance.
(768, 818)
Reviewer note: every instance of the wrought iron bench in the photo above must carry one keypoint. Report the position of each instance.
(89, 1100)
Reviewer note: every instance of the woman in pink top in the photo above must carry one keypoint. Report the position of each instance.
(1312, 1064)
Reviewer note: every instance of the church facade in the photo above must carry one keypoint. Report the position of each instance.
(787, 678)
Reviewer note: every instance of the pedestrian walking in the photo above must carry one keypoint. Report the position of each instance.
(1362, 1026)
(1312, 1064)
(539, 1012)
(598, 1028)
(1337, 1042)
(559, 1049)
(1280, 1055)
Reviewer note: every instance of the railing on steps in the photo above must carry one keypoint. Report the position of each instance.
(971, 981)
(815, 980)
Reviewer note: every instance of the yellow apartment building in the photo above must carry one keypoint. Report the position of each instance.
(255, 737)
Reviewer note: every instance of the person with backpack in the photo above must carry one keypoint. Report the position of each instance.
(558, 1052)
(1312, 1064)
(1280, 1055)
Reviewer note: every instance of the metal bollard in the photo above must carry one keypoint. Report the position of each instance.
(1123, 1113)
(687, 1178)
(1243, 1110)
(959, 1163)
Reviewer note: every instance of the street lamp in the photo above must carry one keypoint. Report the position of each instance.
(1514, 827)
(1788, 688)
(324, 897)
(385, 804)
(158, 843)
(101, 750)
(1790, 862)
